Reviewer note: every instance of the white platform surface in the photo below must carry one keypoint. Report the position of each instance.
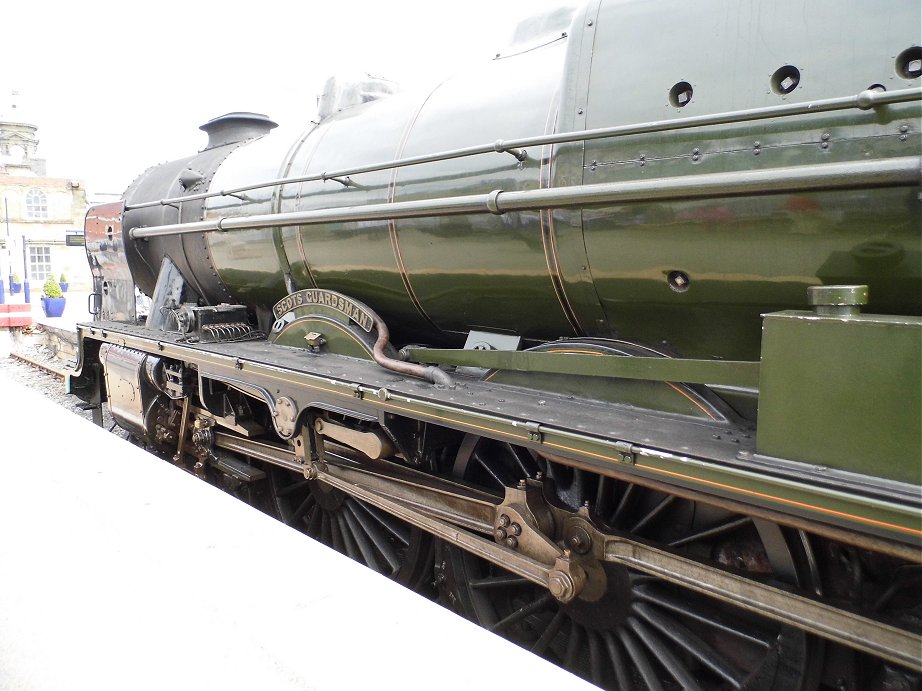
(119, 571)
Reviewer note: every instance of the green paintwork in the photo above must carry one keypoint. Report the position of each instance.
(326, 322)
(840, 392)
(598, 370)
(603, 272)
(339, 337)
(844, 392)
(887, 518)
(626, 367)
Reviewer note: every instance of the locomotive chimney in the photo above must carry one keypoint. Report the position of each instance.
(236, 127)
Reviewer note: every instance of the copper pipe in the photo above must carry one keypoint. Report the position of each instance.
(431, 374)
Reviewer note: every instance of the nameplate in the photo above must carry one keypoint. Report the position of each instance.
(325, 298)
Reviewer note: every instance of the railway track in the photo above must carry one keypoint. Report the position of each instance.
(59, 373)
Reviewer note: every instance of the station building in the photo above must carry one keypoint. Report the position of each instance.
(42, 217)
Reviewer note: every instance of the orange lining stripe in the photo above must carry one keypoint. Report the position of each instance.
(762, 495)
(792, 502)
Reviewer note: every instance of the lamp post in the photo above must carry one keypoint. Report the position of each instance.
(9, 263)
(27, 293)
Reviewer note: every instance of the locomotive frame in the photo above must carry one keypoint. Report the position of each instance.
(624, 511)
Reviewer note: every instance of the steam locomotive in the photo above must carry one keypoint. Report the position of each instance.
(612, 344)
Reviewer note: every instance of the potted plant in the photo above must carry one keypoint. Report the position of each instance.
(15, 283)
(62, 281)
(52, 299)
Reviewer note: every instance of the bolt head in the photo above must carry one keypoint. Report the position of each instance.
(561, 586)
(580, 541)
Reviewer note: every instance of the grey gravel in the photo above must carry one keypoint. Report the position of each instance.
(52, 387)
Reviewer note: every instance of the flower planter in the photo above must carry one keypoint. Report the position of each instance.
(15, 287)
(53, 307)
(63, 287)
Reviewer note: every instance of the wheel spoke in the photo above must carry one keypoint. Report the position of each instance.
(700, 612)
(491, 469)
(661, 652)
(579, 487)
(303, 507)
(348, 540)
(501, 581)
(623, 504)
(603, 493)
(595, 657)
(375, 534)
(727, 527)
(640, 660)
(617, 662)
(336, 531)
(361, 539)
(394, 526)
(656, 511)
(691, 643)
(522, 612)
(549, 633)
(326, 530)
(526, 467)
(574, 641)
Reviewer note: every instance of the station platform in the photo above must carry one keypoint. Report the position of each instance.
(75, 309)
(121, 571)
(59, 333)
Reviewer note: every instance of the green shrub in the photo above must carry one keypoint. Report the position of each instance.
(62, 279)
(51, 289)
(16, 277)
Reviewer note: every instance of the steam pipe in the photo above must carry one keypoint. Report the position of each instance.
(863, 101)
(431, 374)
(893, 172)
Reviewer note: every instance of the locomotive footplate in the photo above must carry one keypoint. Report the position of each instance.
(594, 436)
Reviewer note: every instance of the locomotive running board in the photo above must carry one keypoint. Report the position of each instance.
(450, 510)
(884, 518)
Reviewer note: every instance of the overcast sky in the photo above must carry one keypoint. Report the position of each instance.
(115, 87)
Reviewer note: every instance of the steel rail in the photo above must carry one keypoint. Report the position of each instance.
(904, 171)
(863, 101)
(43, 366)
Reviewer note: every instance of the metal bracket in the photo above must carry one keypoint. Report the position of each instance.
(345, 182)
(534, 432)
(625, 451)
(519, 154)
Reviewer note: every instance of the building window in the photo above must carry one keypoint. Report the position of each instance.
(36, 205)
(39, 264)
